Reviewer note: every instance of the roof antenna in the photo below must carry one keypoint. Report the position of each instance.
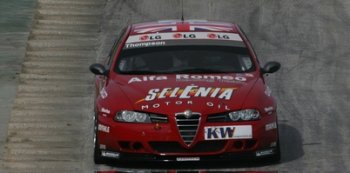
(182, 11)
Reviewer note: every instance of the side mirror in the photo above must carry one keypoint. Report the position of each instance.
(271, 67)
(98, 69)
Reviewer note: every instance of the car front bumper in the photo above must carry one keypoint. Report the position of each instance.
(125, 141)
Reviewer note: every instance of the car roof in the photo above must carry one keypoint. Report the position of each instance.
(182, 26)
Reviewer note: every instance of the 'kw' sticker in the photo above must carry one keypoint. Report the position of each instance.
(228, 132)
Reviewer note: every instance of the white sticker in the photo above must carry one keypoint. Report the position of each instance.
(270, 126)
(264, 152)
(103, 128)
(268, 109)
(104, 110)
(183, 159)
(147, 78)
(228, 132)
(209, 78)
(110, 154)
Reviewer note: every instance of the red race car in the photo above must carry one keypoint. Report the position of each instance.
(189, 90)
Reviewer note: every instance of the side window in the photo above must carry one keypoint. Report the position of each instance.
(114, 49)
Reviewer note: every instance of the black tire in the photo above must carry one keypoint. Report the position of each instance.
(98, 159)
(276, 158)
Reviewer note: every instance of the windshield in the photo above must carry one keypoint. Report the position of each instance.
(184, 59)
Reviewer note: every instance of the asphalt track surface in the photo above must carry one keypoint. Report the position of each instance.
(309, 38)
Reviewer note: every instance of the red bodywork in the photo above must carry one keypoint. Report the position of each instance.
(128, 92)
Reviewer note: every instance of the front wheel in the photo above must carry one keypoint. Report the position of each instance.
(276, 158)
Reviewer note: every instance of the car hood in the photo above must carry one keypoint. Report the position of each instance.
(176, 93)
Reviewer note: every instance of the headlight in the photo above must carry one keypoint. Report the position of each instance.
(132, 116)
(244, 115)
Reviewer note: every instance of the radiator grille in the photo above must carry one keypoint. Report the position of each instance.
(188, 126)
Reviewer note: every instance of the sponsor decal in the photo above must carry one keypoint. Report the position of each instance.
(191, 78)
(218, 36)
(209, 78)
(103, 93)
(189, 92)
(179, 103)
(103, 128)
(182, 159)
(147, 78)
(269, 110)
(264, 152)
(104, 110)
(150, 37)
(228, 132)
(184, 35)
(110, 154)
(270, 126)
(144, 44)
(139, 40)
